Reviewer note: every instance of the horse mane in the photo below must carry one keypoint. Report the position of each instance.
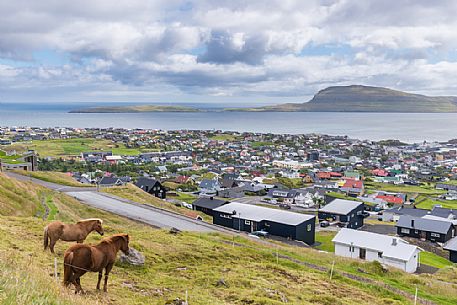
(112, 238)
(90, 219)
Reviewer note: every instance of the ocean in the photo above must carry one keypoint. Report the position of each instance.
(407, 127)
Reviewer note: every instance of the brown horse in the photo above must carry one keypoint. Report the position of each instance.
(70, 232)
(79, 259)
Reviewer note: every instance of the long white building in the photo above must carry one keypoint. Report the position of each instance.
(388, 250)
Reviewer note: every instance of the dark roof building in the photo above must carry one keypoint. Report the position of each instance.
(152, 186)
(249, 218)
(207, 205)
(425, 228)
(347, 212)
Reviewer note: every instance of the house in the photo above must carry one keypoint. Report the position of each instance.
(113, 159)
(184, 179)
(391, 251)
(394, 214)
(446, 187)
(347, 212)
(109, 181)
(287, 196)
(353, 187)
(152, 186)
(249, 218)
(207, 205)
(234, 192)
(435, 230)
(451, 246)
(209, 187)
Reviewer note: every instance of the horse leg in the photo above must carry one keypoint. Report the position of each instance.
(52, 244)
(78, 286)
(99, 279)
(107, 271)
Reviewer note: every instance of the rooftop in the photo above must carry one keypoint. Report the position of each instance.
(340, 206)
(257, 213)
(401, 250)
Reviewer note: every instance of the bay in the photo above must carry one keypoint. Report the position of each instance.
(407, 127)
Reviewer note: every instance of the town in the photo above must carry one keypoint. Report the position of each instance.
(386, 201)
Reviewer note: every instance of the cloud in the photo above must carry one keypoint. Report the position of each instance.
(236, 49)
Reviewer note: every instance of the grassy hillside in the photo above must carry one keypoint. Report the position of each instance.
(54, 177)
(138, 108)
(358, 98)
(72, 147)
(253, 272)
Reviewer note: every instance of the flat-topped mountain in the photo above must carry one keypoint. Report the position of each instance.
(357, 98)
(135, 108)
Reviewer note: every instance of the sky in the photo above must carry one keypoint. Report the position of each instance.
(240, 52)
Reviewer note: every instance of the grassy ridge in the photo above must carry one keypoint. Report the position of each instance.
(54, 177)
(196, 263)
(139, 108)
(73, 147)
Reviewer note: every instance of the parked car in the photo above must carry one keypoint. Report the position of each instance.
(284, 206)
(324, 223)
(253, 236)
(260, 233)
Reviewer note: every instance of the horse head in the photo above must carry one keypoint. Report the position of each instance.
(97, 226)
(125, 243)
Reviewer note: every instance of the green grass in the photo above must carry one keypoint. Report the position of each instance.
(194, 262)
(74, 146)
(224, 137)
(325, 240)
(260, 143)
(54, 177)
(431, 259)
(188, 198)
(425, 202)
(52, 208)
(410, 189)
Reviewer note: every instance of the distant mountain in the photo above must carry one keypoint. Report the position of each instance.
(357, 98)
(140, 108)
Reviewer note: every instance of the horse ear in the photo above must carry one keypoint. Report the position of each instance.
(126, 238)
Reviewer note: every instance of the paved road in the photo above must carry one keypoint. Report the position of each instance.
(143, 213)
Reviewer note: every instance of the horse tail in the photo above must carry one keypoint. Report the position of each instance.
(67, 270)
(45, 238)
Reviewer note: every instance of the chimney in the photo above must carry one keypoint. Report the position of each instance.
(412, 223)
(394, 242)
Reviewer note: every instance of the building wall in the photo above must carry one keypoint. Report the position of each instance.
(354, 221)
(428, 235)
(453, 256)
(371, 255)
(306, 231)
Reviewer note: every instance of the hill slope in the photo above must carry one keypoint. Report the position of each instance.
(358, 98)
(140, 108)
(195, 263)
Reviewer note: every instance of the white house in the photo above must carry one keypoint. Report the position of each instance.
(388, 250)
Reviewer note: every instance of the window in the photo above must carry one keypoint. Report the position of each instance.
(308, 228)
(404, 230)
(380, 254)
(434, 235)
(351, 248)
(247, 222)
(225, 216)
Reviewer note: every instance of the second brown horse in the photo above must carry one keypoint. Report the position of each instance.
(80, 258)
(70, 232)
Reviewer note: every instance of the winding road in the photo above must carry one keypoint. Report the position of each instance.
(140, 212)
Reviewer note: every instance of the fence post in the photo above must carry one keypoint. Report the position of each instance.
(415, 297)
(331, 271)
(186, 298)
(277, 256)
(55, 268)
